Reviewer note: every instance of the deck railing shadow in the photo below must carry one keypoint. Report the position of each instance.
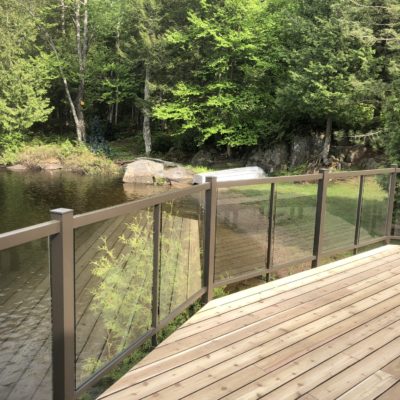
(253, 225)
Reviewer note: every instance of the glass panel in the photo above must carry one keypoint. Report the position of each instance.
(113, 274)
(294, 221)
(181, 262)
(242, 225)
(341, 213)
(25, 323)
(374, 209)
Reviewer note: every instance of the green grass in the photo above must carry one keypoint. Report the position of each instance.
(198, 169)
(73, 157)
(125, 149)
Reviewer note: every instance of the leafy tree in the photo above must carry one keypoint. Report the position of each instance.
(328, 70)
(25, 74)
(215, 95)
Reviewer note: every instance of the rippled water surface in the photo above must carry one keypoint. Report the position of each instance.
(25, 335)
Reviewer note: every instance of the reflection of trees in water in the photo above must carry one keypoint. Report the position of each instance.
(18, 264)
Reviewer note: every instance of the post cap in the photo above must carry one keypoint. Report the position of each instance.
(61, 211)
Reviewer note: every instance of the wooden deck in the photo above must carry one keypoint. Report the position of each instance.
(328, 333)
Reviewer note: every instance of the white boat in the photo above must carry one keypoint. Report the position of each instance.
(232, 174)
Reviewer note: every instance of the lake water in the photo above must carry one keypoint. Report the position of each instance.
(26, 198)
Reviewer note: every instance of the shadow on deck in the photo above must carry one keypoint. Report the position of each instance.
(327, 333)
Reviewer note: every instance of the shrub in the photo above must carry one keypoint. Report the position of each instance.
(74, 157)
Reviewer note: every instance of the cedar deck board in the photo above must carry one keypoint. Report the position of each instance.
(355, 328)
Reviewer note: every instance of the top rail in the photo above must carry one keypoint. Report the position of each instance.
(29, 234)
(135, 206)
(271, 179)
(367, 172)
(305, 177)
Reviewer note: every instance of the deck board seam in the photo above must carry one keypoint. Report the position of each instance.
(264, 319)
(260, 301)
(264, 343)
(281, 283)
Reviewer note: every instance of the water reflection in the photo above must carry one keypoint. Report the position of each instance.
(25, 333)
(27, 197)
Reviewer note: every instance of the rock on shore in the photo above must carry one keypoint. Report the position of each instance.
(154, 171)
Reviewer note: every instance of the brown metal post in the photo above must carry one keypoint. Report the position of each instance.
(155, 298)
(62, 279)
(271, 229)
(359, 213)
(320, 217)
(209, 237)
(392, 194)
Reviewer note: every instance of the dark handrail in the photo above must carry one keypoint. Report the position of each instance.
(29, 234)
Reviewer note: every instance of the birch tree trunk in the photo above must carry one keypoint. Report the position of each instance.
(147, 113)
(82, 50)
(327, 141)
(62, 4)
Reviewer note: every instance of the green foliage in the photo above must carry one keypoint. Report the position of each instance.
(25, 74)
(230, 73)
(217, 98)
(123, 296)
(73, 157)
(328, 70)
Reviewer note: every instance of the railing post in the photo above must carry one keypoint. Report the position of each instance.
(209, 237)
(155, 300)
(392, 194)
(320, 217)
(359, 212)
(62, 278)
(271, 229)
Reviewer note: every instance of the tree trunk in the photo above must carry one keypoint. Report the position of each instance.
(116, 107)
(147, 113)
(82, 50)
(62, 4)
(327, 141)
(110, 113)
(80, 123)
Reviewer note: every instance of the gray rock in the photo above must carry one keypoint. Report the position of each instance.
(143, 171)
(17, 167)
(203, 158)
(369, 163)
(356, 154)
(274, 158)
(149, 171)
(51, 164)
(167, 164)
(178, 174)
(300, 151)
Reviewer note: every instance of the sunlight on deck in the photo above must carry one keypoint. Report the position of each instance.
(328, 333)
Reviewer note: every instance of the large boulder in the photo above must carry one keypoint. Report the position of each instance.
(155, 171)
(300, 151)
(178, 174)
(17, 167)
(271, 159)
(143, 171)
(51, 164)
(204, 157)
(356, 154)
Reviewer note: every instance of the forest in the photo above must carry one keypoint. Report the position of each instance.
(230, 74)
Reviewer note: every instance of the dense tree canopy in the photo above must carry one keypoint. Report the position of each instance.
(230, 73)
